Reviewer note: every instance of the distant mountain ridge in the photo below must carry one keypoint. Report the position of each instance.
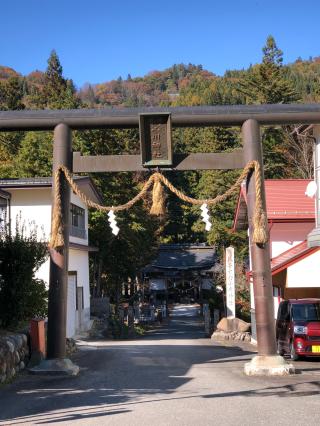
(181, 84)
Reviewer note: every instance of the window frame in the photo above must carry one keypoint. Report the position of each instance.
(5, 206)
(77, 221)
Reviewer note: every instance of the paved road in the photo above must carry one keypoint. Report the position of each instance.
(174, 376)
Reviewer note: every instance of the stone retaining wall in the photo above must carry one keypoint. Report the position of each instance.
(14, 355)
(233, 335)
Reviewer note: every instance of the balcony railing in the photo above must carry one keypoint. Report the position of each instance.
(78, 232)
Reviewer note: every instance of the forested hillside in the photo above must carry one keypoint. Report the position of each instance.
(286, 153)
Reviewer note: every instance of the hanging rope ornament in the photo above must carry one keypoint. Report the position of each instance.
(57, 239)
(260, 223)
(158, 207)
(113, 223)
(205, 216)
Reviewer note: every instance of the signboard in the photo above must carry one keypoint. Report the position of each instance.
(230, 283)
(157, 284)
(155, 139)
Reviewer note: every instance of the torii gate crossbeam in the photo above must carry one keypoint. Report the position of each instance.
(250, 118)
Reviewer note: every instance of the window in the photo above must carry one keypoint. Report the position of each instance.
(77, 222)
(306, 312)
(79, 301)
(3, 213)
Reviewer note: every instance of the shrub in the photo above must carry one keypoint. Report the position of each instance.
(22, 296)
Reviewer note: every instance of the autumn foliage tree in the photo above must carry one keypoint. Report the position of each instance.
(270, 81)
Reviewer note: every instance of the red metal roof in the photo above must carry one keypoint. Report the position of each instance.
(291, 256)
(286, 199)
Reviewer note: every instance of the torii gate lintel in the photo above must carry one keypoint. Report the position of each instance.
(249, 117)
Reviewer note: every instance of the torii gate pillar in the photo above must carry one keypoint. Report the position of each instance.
(56, 362)
(267, 362)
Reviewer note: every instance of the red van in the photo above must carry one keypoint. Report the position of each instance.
(298, 328)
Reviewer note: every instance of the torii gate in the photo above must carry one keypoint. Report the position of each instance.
(250, 118)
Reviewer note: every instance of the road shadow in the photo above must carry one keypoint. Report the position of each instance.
(111, 380)
(116, 376)
(283, 391)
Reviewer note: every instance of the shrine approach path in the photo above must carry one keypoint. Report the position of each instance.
(173, 376)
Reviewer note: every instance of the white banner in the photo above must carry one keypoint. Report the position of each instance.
(230, 283)
(157, 284)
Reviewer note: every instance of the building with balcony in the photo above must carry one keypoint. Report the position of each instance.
(28, 201)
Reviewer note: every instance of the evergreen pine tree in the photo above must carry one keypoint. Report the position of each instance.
(11, 98)
(11, 94)
(265, 83)
(58, 92)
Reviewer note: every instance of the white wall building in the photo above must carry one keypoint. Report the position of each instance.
(29, 202)
(295, 267)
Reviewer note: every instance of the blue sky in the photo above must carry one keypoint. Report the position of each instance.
(100, 40)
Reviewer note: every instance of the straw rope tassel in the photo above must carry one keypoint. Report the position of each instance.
(57, 240)
(260, 222)
(158, 207)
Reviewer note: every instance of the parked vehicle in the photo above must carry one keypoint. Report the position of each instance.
(298, 328)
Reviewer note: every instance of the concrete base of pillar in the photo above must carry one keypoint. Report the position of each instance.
(55, 367)
(272, 365)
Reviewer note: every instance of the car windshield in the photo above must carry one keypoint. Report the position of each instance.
(306, 311)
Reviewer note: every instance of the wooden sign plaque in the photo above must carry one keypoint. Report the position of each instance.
(155, 139)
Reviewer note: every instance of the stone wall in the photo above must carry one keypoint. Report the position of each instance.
(14, 355)
(234, 335)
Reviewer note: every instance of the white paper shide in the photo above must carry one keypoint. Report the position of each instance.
(113, 223)
(205, 216)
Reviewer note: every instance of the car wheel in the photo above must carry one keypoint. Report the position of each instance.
(293, 353)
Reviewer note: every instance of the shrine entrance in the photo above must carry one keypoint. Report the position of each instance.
(155, 126)
(180, 273)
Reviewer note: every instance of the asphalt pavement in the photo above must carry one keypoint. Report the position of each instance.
(172, 376)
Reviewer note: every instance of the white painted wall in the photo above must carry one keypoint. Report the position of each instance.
(79, 262)
(276, 301)
(305, 273)
(71, 306)
(33, 206)
(284, 236)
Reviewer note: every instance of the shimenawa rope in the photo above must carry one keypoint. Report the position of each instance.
(260, 232)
